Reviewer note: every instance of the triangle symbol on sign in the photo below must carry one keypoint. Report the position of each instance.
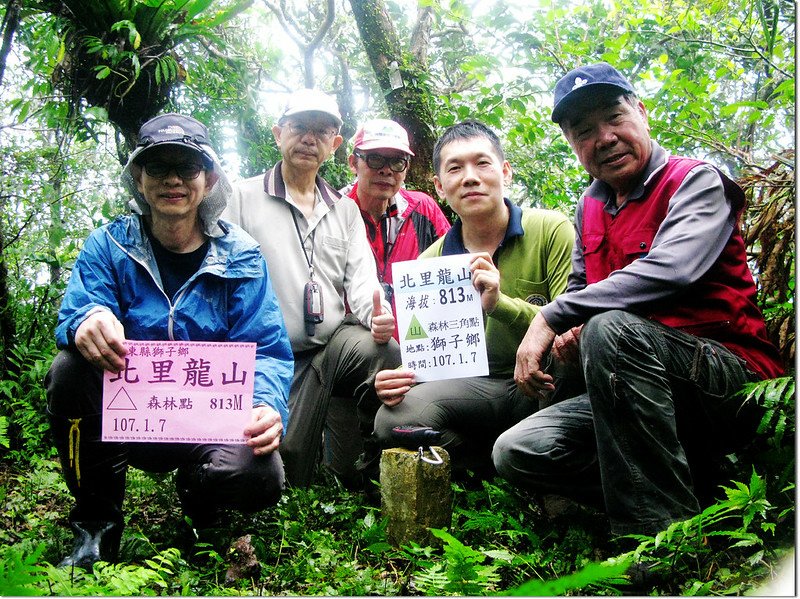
(415, 330)
(121, 401)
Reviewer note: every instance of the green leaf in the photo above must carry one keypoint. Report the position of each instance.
(24, 108)
(378, 548)
(62, 50)
(227, 14)
(699, 589)
(500, 554)
(195, 8)
(4, 432)
(594, 573)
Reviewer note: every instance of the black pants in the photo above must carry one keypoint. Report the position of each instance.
(660, 407)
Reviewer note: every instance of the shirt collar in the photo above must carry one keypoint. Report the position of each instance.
(400, 204)
(274, 185)
(454, 242)
(395, 209)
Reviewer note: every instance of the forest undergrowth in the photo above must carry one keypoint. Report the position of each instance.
(326, 540)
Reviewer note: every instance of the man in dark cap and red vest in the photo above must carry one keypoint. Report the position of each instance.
(660, 314)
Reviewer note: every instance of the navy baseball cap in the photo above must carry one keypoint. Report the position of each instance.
(173, 129)
(579, 82)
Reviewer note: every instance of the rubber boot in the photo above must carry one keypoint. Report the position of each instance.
(95, 540)
(208, 526)
(95, 475)
(197, 505)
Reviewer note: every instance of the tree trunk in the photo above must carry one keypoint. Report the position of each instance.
(56, 181)
(9, 28)
(405, 91)
(344, 97)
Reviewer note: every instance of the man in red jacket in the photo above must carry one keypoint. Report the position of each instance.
(660, 313)
(400, 223)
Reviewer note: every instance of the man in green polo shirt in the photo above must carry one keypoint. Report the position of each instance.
(520, 262)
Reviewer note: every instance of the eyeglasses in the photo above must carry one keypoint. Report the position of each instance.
(186, 171)
(321, 133)
(376, 162)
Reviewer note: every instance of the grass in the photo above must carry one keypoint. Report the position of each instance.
(327, 541)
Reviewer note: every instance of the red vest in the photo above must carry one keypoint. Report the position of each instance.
(721, 305)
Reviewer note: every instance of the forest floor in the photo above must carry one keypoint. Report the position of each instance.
(328, 541)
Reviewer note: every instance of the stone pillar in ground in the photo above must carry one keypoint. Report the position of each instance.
(415, 495)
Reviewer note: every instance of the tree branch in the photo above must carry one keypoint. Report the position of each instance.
(732, 49)
(330, 13)
(421, 35)
(307, 44)
(288, 24)
(704, 138)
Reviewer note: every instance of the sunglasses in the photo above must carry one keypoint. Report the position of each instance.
(376, 162)
(186, 170)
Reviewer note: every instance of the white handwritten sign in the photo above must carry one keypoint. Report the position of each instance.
(180, 392)
(439, 318)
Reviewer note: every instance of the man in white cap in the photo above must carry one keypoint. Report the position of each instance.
(317, 251)
(400, 223)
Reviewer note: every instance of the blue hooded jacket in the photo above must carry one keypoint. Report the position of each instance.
(230, 298)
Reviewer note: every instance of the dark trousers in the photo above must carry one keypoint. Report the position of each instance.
(344, 367)
(469, 412)
(659, 408)
(210, 476)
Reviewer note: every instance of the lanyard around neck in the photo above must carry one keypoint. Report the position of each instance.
(383, 227)
(309, 259)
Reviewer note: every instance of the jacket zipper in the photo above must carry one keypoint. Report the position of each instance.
(181, 291)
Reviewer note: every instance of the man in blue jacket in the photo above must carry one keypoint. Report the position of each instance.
(171, 271)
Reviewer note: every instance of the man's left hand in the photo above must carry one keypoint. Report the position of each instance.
(264, 430)
(382, 320)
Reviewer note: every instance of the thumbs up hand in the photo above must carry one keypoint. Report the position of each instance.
(382, 325)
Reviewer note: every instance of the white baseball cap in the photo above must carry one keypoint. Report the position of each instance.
(312, 100)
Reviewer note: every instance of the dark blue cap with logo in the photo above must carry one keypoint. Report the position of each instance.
(173, 129)
(578, 82)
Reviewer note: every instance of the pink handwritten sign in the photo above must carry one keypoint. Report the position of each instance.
(180, 392)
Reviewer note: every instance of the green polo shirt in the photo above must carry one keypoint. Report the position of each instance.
(534, 263)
